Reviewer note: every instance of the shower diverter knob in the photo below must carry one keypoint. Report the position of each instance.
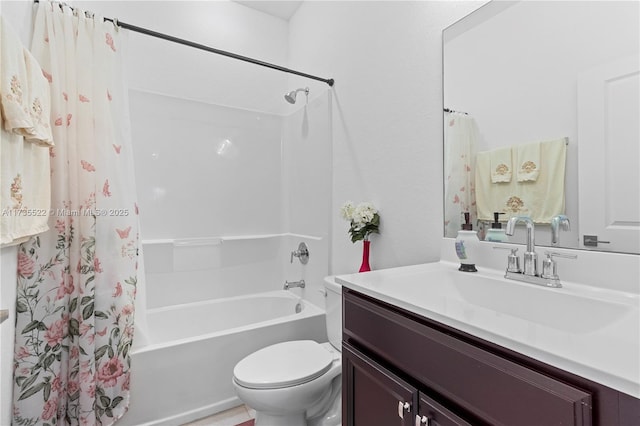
(302, 253)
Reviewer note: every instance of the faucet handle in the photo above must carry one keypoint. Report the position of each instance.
(513, 261)
(302, 253)
(552, 254)
(550, 267)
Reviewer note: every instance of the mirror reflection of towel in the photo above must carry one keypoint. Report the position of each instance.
(528, 161)
(541, 199)
(500, 160)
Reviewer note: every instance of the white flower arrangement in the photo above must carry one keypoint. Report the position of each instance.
(364, 219)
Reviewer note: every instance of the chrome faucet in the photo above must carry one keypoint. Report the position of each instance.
(549, 276)
(292, 284)
(557, 223)
(530, 256)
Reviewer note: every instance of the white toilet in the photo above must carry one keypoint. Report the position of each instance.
(297, 383)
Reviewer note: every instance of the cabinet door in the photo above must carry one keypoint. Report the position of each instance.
(372, 396)
(431, 413)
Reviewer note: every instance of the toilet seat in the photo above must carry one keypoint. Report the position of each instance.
(283, 365)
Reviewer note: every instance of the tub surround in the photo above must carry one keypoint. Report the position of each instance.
(589, 330)
(185, 270)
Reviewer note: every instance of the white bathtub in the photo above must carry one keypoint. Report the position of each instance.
(185, 372)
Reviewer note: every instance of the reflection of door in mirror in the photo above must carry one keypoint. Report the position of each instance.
(515, 66)
(609, 172)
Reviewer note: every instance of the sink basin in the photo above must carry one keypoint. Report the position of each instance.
(439, 288)
(565, 309)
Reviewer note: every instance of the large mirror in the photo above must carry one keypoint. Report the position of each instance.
(557, 83)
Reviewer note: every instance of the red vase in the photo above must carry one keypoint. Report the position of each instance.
(365, 256)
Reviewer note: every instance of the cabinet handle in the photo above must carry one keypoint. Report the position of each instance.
(424, 420)
(402, 407)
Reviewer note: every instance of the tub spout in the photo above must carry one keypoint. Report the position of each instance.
(291, 284)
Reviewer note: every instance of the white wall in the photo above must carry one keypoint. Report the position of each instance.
(386, 117)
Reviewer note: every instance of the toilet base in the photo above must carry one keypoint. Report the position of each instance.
(331, 412)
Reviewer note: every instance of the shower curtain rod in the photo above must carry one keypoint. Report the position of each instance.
(453, 111)
(173, 39)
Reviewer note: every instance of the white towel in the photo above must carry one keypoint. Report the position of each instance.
(501, 169)
(494, 198)
(549, 194)
(528, 162)
(39, 104)
(13, 81)
(25, 174)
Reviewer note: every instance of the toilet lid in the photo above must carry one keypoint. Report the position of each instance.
(283, 364)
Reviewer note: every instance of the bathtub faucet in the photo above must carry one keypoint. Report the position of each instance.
(292, 284)
(302, 253)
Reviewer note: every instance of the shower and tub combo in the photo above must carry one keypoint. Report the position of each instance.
(215, 292)
(218, 226)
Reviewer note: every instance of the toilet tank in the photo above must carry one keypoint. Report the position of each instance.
(333, 306)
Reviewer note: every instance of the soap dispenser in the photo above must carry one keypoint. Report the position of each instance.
(496, 234)
(467, 246)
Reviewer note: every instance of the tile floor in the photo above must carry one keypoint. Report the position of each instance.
(231, 417)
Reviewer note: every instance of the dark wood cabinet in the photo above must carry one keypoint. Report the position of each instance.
(377, 396)
(431, 413)
(400, 369)
(381, 398)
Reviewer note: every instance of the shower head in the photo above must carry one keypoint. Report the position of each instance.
(291, 96)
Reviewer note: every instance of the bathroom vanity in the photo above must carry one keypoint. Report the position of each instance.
(422, 345)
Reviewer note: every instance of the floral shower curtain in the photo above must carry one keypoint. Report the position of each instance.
(77, 282)
(461, 136)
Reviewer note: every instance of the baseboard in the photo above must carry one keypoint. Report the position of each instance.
(198, 413)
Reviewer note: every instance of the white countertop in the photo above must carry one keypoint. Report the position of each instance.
(588, 331)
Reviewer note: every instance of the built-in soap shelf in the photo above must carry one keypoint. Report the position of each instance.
(194, 242)
(215, 241)
(199, 253)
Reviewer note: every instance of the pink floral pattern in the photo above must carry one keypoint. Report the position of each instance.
(109, 41)
(75, 298)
